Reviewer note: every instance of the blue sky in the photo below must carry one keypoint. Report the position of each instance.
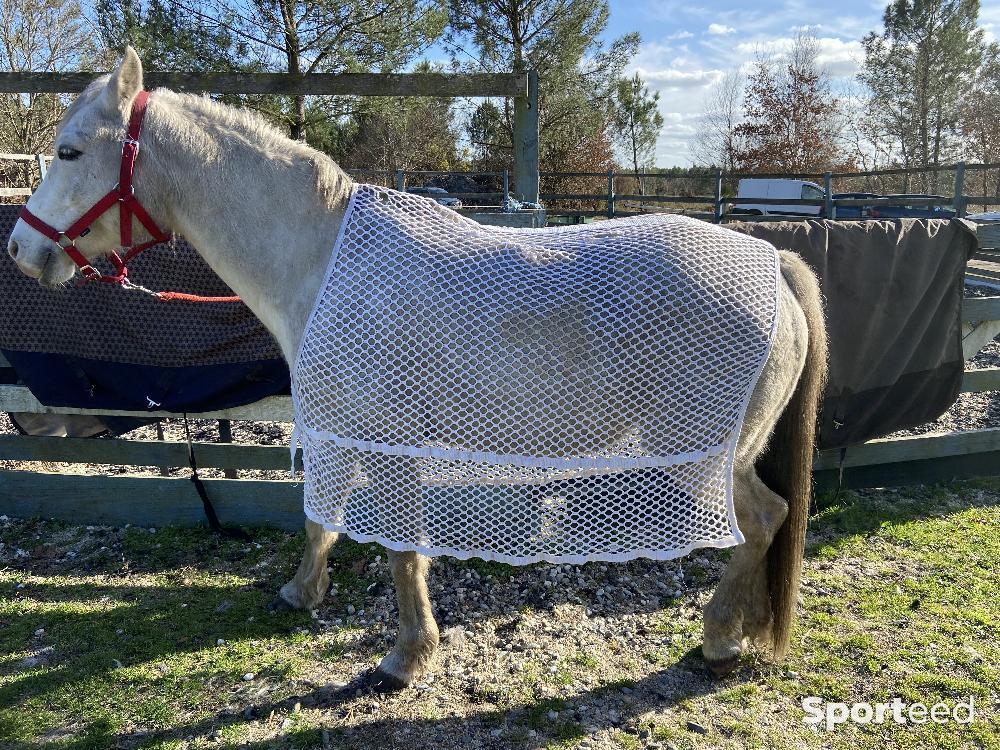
(687, 47)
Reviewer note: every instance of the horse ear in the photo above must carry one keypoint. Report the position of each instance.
(125, 82)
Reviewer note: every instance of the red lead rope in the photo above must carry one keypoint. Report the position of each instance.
(129, 208)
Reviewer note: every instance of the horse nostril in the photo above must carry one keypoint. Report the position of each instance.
(12, 249)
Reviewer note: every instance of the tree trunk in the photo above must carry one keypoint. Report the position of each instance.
(635, 155)
(297, 126)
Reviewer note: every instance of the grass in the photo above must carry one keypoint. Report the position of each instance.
(142, 639)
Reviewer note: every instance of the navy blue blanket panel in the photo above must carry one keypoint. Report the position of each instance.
(60, 380)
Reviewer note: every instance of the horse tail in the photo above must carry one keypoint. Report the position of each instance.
(786, 466)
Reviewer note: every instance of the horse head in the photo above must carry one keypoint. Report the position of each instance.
(89, 147)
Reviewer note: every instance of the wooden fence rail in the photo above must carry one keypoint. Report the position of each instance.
(313, 84)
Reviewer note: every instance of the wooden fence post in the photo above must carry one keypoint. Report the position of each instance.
(717, 214)
(400, 180)
(164, 471)
(506, 186)
(611, 193)
(829, 210)
(226, 436)
(959, 199)
(526, 142)
(42, 166)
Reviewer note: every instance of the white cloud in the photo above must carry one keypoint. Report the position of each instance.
(719, 29)
(685, 67)
(838, 57)
(675, 78)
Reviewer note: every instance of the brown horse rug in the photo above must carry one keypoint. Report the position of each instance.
(893, 293)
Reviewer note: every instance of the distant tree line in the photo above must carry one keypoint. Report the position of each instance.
(927, 94)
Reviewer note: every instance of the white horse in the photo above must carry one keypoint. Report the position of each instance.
(264, 212)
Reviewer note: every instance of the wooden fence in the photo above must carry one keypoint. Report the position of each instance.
(158, 500)
(522, 88)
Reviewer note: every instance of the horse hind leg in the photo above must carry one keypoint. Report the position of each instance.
(758, 591)
(740, 608)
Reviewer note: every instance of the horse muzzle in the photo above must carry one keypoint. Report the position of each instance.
(42, 261)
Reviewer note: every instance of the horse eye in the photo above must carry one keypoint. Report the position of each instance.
(67, 154)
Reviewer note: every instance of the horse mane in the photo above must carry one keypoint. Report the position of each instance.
(330, 180)
(250, 127)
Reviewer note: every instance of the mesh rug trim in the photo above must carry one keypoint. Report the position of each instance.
(489, 556)
(351, 463)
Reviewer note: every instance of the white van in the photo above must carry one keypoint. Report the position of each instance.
(776, 189)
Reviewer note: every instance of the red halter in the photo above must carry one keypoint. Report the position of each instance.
(129, 207)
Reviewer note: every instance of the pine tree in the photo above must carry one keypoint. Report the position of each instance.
(638, 122)
(561, 39)
(917, 69)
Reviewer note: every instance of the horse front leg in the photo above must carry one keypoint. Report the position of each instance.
(311, 581)
(740, 608)
(396, 482)
(417, 639)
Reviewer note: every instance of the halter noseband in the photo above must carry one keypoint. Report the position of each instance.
(129, 206)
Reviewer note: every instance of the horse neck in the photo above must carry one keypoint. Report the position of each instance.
(254, 212)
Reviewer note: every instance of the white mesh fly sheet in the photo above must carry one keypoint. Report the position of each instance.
(565, 394)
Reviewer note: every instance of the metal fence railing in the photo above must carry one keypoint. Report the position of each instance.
(710, 195)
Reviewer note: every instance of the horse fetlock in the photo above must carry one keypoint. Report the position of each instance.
(306, 593)
(407, 662)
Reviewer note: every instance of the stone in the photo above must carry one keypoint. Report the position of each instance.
(697, 728)
(454, 637)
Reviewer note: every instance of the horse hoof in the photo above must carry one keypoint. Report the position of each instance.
(279, 606)
(723, 667)
(382, 682)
